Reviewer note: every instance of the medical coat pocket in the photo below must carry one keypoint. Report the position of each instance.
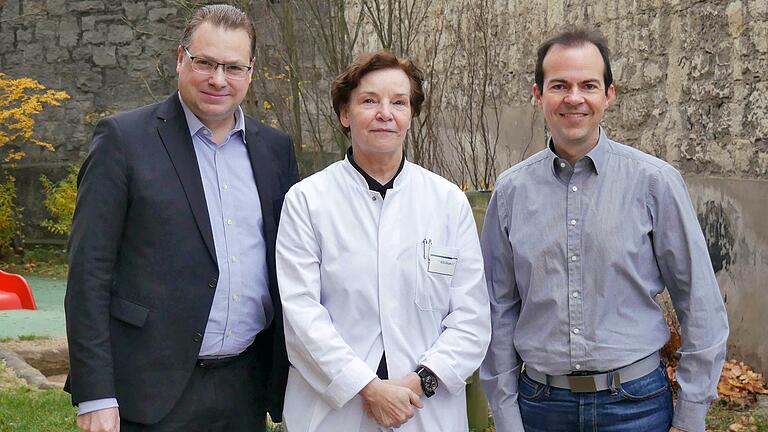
(433, 282)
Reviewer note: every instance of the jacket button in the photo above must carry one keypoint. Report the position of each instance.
(197, 337)
(212, 283)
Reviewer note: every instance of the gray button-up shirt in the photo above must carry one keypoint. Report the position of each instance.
(574, 258)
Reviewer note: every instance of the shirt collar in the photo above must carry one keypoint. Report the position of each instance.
(596, 156)
(195, 124)
(374, 184)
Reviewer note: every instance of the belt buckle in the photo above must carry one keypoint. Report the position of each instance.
(582, 384)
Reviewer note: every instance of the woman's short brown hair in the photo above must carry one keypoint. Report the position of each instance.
(349, 79)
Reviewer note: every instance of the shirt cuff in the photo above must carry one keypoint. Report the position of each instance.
(690, 416)
(96, 405)
(348, 383)
(453, 382)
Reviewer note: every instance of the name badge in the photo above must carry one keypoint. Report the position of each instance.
(443, 261)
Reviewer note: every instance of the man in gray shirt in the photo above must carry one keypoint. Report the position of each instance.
(578, 241)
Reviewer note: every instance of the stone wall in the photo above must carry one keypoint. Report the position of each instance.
(108, 55)
(689, 75)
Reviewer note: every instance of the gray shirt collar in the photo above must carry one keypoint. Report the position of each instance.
(594, 159)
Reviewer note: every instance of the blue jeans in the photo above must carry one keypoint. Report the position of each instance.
(641, 405)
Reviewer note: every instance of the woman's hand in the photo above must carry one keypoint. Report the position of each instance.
(388, 404)
(411, 381)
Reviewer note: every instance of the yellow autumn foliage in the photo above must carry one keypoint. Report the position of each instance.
(21, 100)
(739, 383)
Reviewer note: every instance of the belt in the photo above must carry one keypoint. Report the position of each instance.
(213, 363)
(600, 381)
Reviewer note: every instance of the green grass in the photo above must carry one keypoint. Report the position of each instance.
(24, 338)
(23, 409)
(32, 337)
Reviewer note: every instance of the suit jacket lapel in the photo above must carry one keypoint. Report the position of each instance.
(174, 133)
(266, 178)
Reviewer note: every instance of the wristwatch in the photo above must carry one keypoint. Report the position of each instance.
(428, 380)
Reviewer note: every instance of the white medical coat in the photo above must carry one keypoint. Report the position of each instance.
(354, 281)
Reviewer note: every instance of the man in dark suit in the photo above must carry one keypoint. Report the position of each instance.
(173, 314)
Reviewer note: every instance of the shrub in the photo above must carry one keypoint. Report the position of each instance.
(60, 202)
(21, 101)
(9, 215)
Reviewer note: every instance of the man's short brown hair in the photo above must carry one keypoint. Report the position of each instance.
(575, 38)
(223, 16)
(349, 79)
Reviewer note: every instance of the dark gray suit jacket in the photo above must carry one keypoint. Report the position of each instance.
(142, 265)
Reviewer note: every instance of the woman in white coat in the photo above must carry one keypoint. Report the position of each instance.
(380, 274)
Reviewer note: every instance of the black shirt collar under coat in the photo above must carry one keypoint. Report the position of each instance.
(374, 184)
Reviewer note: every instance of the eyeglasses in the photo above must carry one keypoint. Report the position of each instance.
(205, 66)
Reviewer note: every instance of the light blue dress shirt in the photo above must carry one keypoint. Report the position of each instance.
(242, 305)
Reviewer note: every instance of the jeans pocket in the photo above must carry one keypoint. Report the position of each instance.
(529, 389)
(650, 386)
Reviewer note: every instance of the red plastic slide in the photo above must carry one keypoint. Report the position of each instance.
(15, 292)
